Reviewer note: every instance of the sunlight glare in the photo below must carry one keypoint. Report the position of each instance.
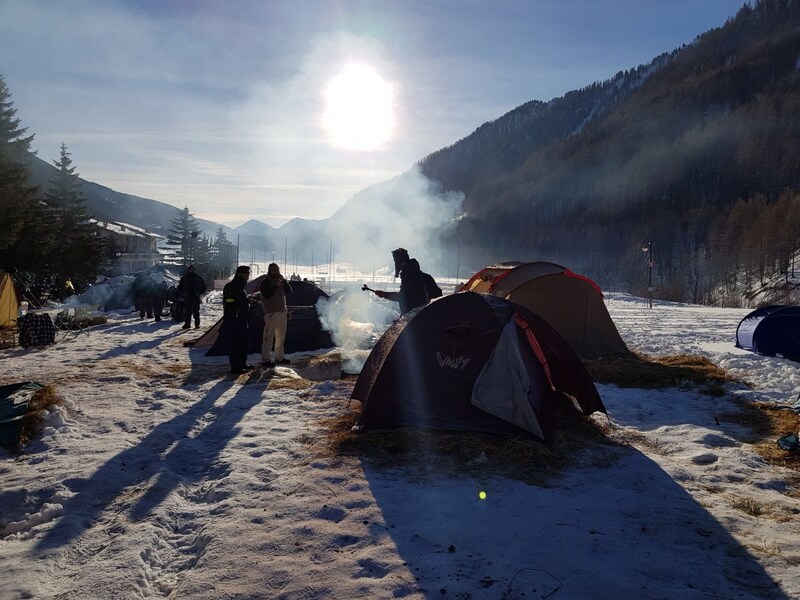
(358, 109)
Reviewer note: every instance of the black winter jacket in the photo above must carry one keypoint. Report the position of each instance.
(235, 304)
(192, 285)
(412, 288)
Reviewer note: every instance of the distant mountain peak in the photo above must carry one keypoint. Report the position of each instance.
(253, 227)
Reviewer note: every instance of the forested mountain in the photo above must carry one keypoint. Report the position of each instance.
(103, 203)
(698, 151)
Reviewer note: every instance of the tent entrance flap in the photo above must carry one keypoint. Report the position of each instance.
(504, 387)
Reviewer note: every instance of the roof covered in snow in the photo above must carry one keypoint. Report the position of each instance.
(124, 229)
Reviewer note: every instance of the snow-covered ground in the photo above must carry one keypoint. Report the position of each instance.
(162, 477)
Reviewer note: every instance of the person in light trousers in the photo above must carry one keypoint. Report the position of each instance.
(274, 289)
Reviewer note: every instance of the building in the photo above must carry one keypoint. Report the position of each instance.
(135, 248)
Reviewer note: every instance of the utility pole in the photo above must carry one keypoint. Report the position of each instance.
(237, 249)
(650, 271)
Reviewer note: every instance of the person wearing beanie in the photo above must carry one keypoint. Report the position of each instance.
(235, 317)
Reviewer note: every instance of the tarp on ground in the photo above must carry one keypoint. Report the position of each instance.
(14, 401)
(116, 292)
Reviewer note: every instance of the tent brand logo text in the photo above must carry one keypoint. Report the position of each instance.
(457, 363)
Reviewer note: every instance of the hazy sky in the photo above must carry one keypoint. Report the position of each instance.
(227, 106)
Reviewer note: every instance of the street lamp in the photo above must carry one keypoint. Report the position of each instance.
(649, 251)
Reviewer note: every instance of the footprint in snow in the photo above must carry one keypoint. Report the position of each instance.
(372, 569)
(712, 440)
(331, 513)
(706, 458)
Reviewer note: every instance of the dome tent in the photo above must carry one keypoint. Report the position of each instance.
(304, 330)
(571, 303)
(472, 362)
(772, 331)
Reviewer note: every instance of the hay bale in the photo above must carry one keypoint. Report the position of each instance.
(480, 455)
(642, 371)
(40, 403)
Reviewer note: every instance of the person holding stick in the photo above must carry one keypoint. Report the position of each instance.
(416, 287)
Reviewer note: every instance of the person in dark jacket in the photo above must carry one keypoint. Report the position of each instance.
(191, 287)
(412, 282)
(140, 290)
(236, 309)
(158, 296)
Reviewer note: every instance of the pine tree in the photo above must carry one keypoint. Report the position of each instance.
(25, 238)
(203, 256)
(65, 192)
(81, 249)
(223, 252)
(184, 236)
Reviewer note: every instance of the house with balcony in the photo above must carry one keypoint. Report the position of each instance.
(135, 248)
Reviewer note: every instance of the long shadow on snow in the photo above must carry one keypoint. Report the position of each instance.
(128, 472)
(162, 331)
(626, 531)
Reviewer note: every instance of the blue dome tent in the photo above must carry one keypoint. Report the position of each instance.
(772, 331)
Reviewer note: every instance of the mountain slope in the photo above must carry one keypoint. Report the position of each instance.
(665, 159)
(103, 203)
(505, 143)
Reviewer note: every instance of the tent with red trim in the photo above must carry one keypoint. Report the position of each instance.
(473, 362)
(571, 303)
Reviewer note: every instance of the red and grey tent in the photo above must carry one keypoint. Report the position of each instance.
(472, 362)
(571, 303)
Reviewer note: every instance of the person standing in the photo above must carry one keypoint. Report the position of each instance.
(191, 287)
(158, 297)
(140, 290)
(235, 315)
(273, 290)
(416, 287)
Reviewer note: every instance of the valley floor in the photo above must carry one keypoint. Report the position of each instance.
(163, 477)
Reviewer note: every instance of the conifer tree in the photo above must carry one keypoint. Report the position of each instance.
(203, 255)
(184, 236)
(64, 192)
(222, 254)
(24, 222)
(81, 250)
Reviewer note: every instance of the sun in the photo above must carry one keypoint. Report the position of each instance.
(359, 111)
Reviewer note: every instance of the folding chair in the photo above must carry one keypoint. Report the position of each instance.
(72, 320)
